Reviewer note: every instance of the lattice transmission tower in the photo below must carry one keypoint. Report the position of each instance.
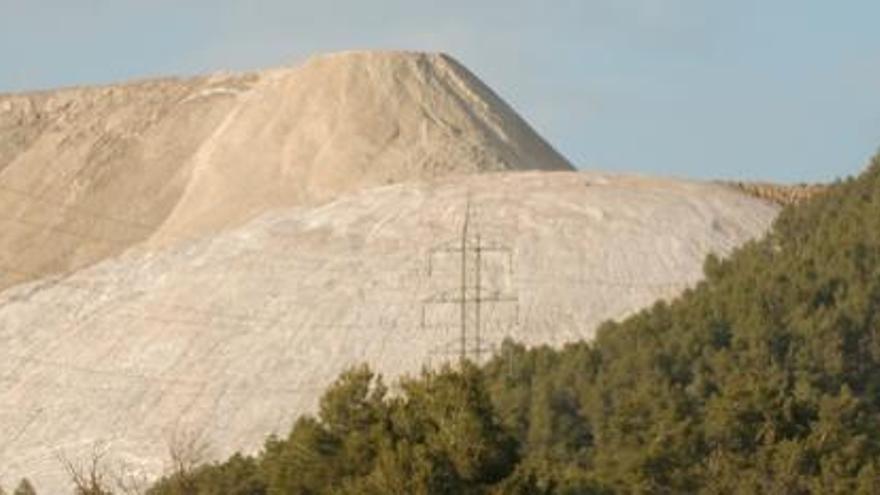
(470, 292)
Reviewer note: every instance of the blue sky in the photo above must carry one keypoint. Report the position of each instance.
(779, 90)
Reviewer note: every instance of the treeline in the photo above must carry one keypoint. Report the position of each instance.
(765, 378)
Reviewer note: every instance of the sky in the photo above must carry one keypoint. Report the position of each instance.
(780, 90)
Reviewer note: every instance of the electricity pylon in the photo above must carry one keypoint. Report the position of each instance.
(471, 293)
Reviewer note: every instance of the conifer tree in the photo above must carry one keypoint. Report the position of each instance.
(24, 488)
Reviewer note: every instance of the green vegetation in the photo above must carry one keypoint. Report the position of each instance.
(24, 488)
(765, 378)
(437, 436)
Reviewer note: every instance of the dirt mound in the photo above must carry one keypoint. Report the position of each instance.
(231, 336)
(203, 256)
(86, 173)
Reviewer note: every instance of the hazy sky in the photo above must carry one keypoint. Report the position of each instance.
(765, 89)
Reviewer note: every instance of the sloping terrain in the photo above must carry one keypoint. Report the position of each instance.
(201, 257)
(228, 337)
(86, 173)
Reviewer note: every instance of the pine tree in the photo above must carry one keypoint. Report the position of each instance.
(24, 488)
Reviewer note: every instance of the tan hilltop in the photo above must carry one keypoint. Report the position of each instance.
(203, 256)
(87, 172)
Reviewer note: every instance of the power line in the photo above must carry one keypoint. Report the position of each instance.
(249, 317)
(597, 282)
(117, 373)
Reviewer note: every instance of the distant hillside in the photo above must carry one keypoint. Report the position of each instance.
(763, 379)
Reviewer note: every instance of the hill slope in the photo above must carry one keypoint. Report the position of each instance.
(86, 173)
(763, 379)
(233, 335)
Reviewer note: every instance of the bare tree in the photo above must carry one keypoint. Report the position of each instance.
(89, 477)
(187, 450)
(97, 475)
(129, 480)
